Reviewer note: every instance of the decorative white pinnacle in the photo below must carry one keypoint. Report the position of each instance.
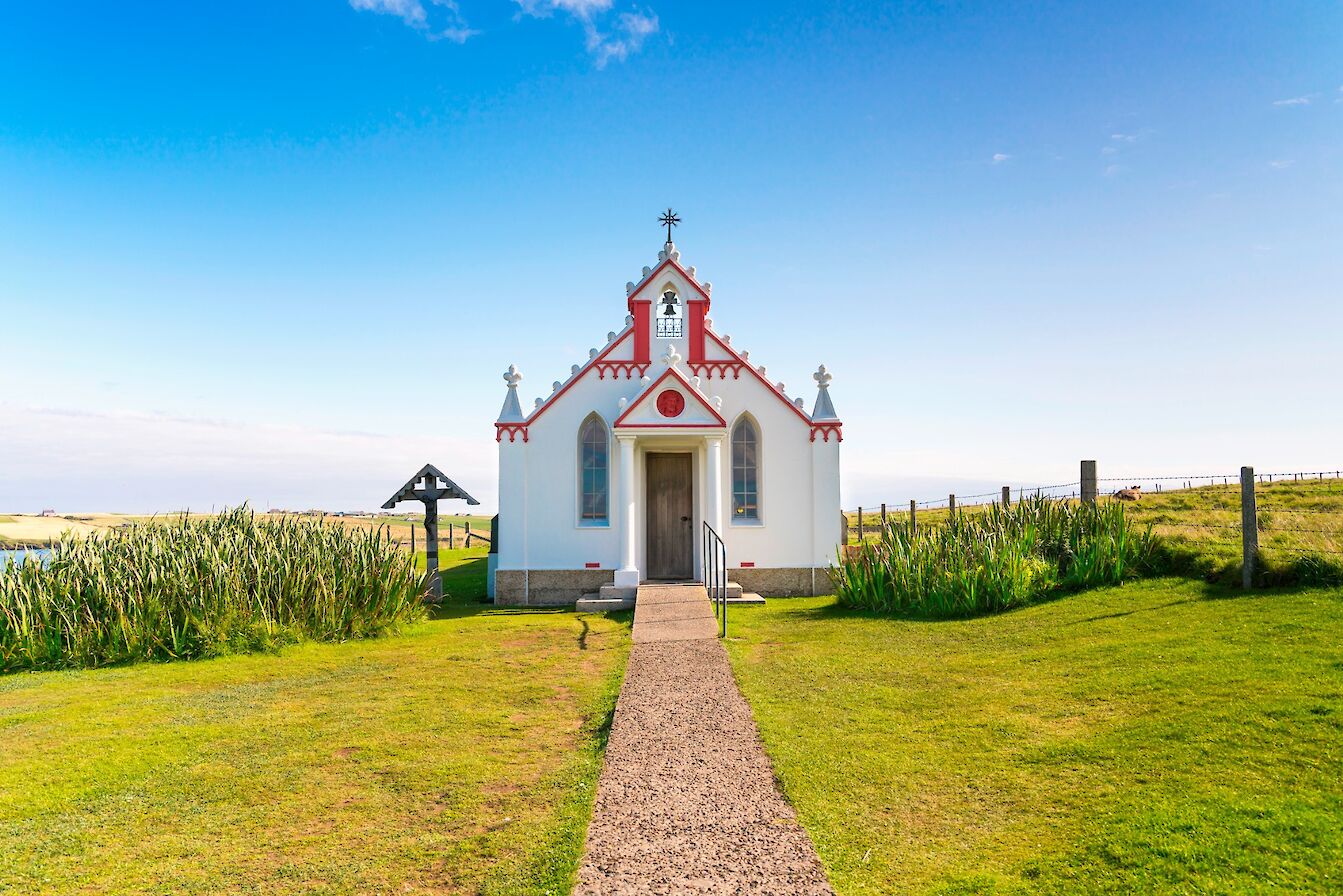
(512, 410)
(539, 402)
(672, 357)
(610, 336)
(694, 381)
(629, 287)
(798, 401)
(824, 409)
(644, 381)
(623, 402)
(629, 319)
(718, 402)
(781, 387)
(555, 386)
(573, 369)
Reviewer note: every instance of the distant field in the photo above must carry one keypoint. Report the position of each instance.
(24, 529)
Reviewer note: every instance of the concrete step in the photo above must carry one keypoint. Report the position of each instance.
(608, 600)
(591, 603)
(747, 599)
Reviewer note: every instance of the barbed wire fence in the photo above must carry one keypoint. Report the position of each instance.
(1299, 513)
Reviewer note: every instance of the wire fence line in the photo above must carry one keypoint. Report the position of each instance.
(1228, 517)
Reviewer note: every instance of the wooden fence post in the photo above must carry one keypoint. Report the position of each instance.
(883, 516)
(1249, 527)
(951, 506)
(913, 515)
(451, 543)
(860, 525)
(412, 538)
(1007, 496)
(1088, 482)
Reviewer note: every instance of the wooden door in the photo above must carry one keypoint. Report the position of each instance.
(670, 516)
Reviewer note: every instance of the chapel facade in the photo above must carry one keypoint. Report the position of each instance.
(606, 482)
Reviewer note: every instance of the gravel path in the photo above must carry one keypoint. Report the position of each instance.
(687, 801)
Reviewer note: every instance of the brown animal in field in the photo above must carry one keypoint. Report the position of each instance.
(1132, 493)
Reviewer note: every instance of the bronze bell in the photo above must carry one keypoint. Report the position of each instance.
(670, 298)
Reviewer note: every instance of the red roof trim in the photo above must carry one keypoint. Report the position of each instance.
(624, 334)
(750, 367)
(652, 275)
(694, 393)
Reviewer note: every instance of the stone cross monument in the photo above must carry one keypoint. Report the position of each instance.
(430, 486)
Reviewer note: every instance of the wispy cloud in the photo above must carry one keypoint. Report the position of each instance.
(605, 38)
(445, 22)
(1295, 101)
(1282, 163)
(1000, 157)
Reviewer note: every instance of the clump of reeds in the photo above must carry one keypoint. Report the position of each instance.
(202, 586)
(995, 560)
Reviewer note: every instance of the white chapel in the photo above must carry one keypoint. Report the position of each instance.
(609, 481)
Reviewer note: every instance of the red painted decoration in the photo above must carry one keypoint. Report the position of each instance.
(747, 564)
(592, 566)
(671, 403)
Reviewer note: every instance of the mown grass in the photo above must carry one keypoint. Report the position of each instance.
(199, 587)
(459, 757)
(1165, 736)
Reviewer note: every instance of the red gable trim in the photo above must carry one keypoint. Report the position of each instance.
(694, 393)
(592, 362)
(747, 364)
(652, 275)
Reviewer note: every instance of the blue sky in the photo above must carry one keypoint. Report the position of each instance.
(283, 252)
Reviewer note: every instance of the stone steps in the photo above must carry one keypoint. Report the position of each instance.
(612, 599)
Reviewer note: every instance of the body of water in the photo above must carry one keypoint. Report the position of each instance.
(40, 554)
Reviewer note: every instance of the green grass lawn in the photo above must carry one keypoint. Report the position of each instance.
(460, 757)
(1160, 737)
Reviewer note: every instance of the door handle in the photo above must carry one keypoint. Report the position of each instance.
(685, 519)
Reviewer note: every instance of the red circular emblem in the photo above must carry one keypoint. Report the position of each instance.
(671, 403)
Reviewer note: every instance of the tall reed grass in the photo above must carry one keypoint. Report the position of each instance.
(202, 586)
(995, 560)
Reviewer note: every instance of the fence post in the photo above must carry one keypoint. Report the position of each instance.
(1088, 482)
(466, 542)
(1249, 528)
(951, 506)
(913, 515)
(860, 525)
(883, 517)
(1007, 496)
(451, 543)
(412, 538)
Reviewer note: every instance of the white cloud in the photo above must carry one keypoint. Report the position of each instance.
(605, 40)
(1000, 157)
(445, 22)
(1112, 170)
(1282, 163)
(1124, 138)
(1294, 101)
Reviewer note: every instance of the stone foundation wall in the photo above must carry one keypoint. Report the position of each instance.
(783, 581)
(547, 587)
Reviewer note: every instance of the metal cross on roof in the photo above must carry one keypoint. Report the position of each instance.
(670, 219)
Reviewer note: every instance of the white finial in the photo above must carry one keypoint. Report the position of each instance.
(623, 402)
(745, 356)
(592, 353)
(629, 287)
(629, 319)
(781, 387)
(573, 369)
(708, 323)
(610, 336)
(647, 270)
(644, 381)
(718, 402)
(672, 357)
(511, 411)
(708, 287)
(798, 401)
(539, 402)
(694, 381)
(761, 369)
(555, 386)
(691, 271)
(824, 409)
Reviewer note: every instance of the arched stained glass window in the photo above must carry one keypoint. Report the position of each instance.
(745, 471)
(594, 466)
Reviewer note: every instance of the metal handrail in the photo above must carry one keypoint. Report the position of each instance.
(713, 553)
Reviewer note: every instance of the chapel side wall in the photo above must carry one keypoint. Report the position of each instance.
(557, 541)
(783, 539)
